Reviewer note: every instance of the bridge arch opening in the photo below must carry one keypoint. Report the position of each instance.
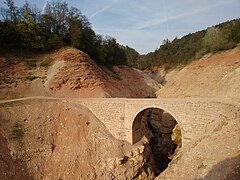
(160, 133)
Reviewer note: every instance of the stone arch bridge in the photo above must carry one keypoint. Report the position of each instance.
(196, 117)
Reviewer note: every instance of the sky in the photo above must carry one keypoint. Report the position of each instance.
(144, 24)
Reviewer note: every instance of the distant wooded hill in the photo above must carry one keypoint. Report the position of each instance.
(192, 46)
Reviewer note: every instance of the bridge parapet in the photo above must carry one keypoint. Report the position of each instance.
(197, 117)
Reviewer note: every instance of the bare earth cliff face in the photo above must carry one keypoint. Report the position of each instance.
(70, 73)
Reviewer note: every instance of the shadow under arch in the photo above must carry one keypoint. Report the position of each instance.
(162, 132)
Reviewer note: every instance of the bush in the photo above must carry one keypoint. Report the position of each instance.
(18, 131)
(31, 64)
(46, 63)
(8, 80)
(167, 67)
(31, 77)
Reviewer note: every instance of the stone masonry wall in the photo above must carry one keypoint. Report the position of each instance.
(197, 117)
(111, 113)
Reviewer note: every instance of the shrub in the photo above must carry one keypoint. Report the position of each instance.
(46, 63)
(167, 67)
(17, 132)
(8, 80)
(31, 64)
(31, 77)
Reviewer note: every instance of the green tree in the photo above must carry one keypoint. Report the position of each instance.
(132, 56)
(12, 10)
(75, 32)
(214, 39)
(55, 17)
(30, 32)
(32, 10)
(9, 35)
(114, 54)
(75, 27)
(235, 33)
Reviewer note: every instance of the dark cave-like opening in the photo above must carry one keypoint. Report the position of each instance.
(158, 127)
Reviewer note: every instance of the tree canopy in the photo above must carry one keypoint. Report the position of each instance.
(57, 26)
(193, 46)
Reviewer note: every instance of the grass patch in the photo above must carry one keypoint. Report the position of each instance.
(18, 131)
(31, 77)
(116, 76)
(44, 79)
(167, 67)
(31, 64)
(46, 63)
(8, 80)
(113, 73)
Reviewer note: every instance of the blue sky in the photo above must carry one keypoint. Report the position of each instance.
(144, 24)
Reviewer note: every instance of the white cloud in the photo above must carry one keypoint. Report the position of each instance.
(44, 6)
(103, 9)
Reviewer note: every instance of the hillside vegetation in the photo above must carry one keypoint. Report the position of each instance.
(58, 25)
(192, 46)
